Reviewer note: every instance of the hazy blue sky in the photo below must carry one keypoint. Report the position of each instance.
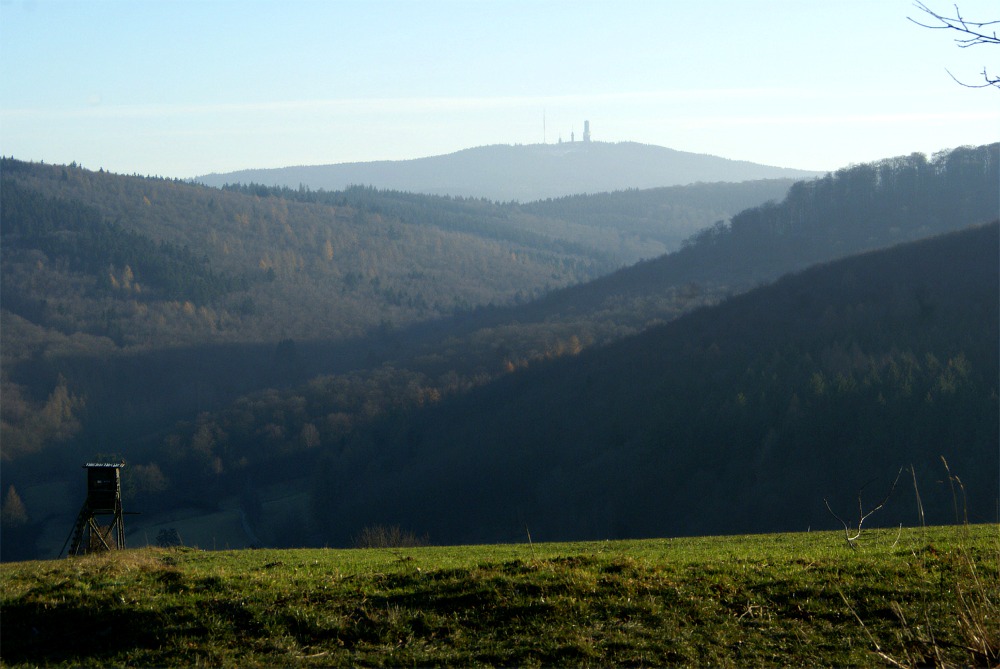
(181, 88)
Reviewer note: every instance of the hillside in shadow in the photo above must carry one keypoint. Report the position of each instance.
(736, 418)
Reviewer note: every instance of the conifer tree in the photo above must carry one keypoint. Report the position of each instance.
(13, 513)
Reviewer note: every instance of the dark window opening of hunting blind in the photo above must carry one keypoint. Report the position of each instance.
(102, 487)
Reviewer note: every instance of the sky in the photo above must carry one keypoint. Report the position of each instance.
(180, 88)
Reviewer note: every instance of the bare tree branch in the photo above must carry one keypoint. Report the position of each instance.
(973, 33)
(990, 81)
(976, 30)
(847, 529)
(862, 516)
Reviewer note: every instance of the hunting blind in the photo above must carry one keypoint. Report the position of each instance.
(104, 500)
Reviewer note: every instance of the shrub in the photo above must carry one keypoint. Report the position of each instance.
(382, 536)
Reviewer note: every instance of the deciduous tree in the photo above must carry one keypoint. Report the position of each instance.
(971, 33)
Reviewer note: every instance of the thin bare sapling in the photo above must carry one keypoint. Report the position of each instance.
(862, 514)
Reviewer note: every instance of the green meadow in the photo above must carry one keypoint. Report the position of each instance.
(901, 597)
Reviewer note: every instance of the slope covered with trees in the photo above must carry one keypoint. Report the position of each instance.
(130, 303)
(740, 417)
(567, 321)
(111, 281)
(274, 354)
(855, 209)
(737, 418)
(614, 228)
(907, 198)
(103, 275)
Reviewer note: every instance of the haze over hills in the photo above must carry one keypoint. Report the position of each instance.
(522, 173)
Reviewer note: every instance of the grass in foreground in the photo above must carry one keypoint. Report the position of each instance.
(796, 599)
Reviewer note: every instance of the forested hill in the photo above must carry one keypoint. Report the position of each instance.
(132, 303)
(222, 340)
(522, 173)
(858, 208)
(616, 228)
(737, 418)
(106, 254)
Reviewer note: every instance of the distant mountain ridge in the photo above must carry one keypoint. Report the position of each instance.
(522, 172)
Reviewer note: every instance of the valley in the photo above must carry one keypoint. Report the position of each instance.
(318, 362)
(496, 334)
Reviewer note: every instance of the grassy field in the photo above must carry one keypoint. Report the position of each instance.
(904, 597)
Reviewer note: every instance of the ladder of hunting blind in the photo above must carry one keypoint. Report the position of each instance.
(77, 533)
